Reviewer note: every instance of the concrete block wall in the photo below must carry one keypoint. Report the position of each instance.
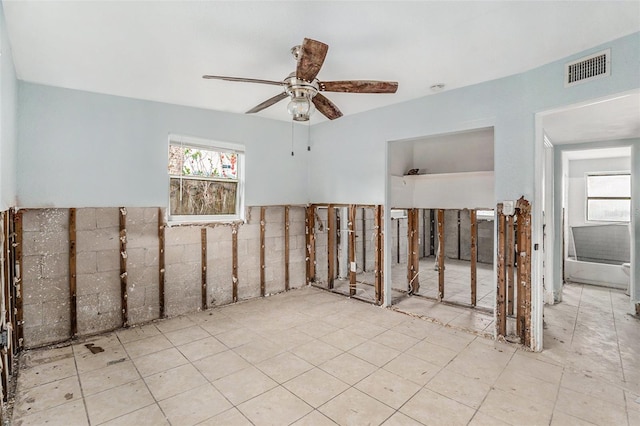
(321, 234)
(297, 247)
(45, 275)
(45, 278)
(365, 252)
(99, 297)
(220, 264)
(142, 264)
(399, 239)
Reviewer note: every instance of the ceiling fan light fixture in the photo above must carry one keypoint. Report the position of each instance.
(300, 108)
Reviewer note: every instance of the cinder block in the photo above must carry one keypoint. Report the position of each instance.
(151, 257)
(249, 231)
(108, 217)
(98, 282)
(274, 214)
(86, 219)
(143, 277)
(192, 253)
(97, 240)
(56, 311)
(108, 260)
(142, 235)
(37, 243)
(135, 216)
(274, 229)
(173, 255)
(32, 267)
(274, 244)
(151, 215)
(135, 258)
(46, 289)
(32, 314)
(48, 333)
(31, 221)
(182, 235)
(86, 262)
(182, 306)
(55, 265)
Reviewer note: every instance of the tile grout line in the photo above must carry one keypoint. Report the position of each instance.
(84, 401)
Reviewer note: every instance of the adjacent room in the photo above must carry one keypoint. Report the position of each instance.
(319, 213)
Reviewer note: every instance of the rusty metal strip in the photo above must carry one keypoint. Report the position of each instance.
(234, 255)
(351, 225)
(331, 245)
(123, 265)
(262, 260)
(73, 303)
(17, 280)
(286, 248)
(440, 254)
(161, 270)
(474, 257)
(203, 265)
(501, 311)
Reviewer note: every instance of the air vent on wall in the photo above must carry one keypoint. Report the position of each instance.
(589, 68)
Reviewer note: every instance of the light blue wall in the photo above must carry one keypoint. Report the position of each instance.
(81, 149)
(7, 121)
(355, 146)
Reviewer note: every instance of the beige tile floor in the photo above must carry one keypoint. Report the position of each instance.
(310, 357)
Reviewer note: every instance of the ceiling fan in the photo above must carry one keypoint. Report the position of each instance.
(303, 87)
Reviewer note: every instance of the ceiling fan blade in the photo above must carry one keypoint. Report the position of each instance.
(359, 86)
(266, 104)
(312, 54)
(326, 107)
(242, 80)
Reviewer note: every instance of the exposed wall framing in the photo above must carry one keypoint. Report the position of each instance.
(310, 243)
(351, 225)
(130, 267)
(262, 265)
(413, 264)
(441, 253)
(203, 266)
(73, 303)
(123, 265)
(474, 257)
(332, 230)
(379, 257)
(518, 243)
(161, 265)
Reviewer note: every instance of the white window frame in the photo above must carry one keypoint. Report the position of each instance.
(587, 198)
(212, 145)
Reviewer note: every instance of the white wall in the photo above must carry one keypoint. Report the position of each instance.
(80, 149)
(7, 121)
(576, 185)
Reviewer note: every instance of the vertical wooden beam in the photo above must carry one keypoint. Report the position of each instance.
(123, 265)
(234, 262)
(510, 263)
(474, 256)
(414, 247)
(379, 255)
(520, 274)
(440, 254)
(501, 311)
(262, 262)
(351, 226)
(432, 232)
(286, 248)
(524, 247)
(203, 265)
(331, 245)
(17, 280)
(310, 235)
(73, 302)
(161, 294)
(7, 353)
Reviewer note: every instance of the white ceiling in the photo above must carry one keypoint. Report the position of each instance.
(602, 120)
(158, 50)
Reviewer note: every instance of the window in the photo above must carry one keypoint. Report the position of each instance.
(609, 197)
(205, 180)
